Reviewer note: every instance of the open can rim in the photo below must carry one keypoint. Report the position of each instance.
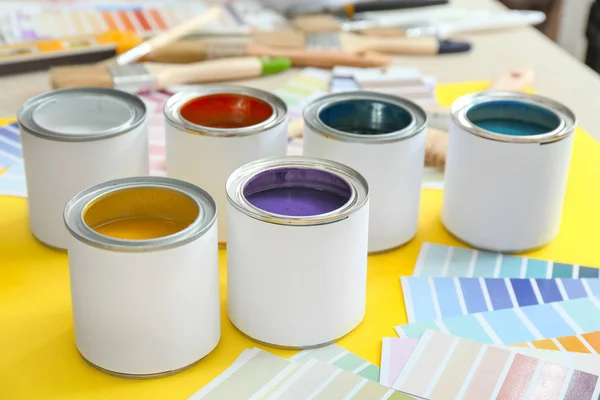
(174, 103)
(359, 189)
(76, 225)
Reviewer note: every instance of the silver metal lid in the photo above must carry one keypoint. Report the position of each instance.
(174, 104)
(356, 184)
(552, 121)
(81, 114)
(365, 117)
(205, 212)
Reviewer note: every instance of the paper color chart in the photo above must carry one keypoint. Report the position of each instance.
(517, 325)
(341, 358)
(257, 374)
(12, 179)
(439, 260)
(583, 343)
(395, 353)
(446, 367)
(433, 298)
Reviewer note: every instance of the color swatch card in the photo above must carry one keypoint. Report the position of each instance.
(395, 353)
(583, 343)
(446, 367)
(12, 177)
(434, 298)
(257, 374)
(517, 325)
(321, 381)
(341, 358)
(440, 260)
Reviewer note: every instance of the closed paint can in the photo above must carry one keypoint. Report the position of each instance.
(506, 170)
(297, 250)
(383, 138)
(214, 130)
(143, 262)
(73, 139)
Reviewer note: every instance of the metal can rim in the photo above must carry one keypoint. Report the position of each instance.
(312, 120)
(462, 105)
(75, 224)
(26, 110)
(176, 101)
(237, 180)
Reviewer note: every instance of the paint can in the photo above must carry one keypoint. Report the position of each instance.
(73, 139)
(506, 170)
(382, 137)
(143, 262)
(211, 131)
(297, 250)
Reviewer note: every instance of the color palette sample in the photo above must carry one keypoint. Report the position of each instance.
(341, 358)
(44, 20)
(439, 260)
(321, 381)
(12, 177)
(446, 367)
(517, 325)
(583, 343)
(395, 353)
(433, 298)
(257, 374)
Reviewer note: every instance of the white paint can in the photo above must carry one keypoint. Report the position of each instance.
(506, 170)
(143, 262)
(214, 130)
(297, 250)
(382, 137)
(73, 139)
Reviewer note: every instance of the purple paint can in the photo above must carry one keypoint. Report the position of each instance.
(297, 250)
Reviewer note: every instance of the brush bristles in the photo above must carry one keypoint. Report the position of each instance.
(80, 76)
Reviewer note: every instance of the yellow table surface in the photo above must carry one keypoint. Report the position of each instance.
(38, 358)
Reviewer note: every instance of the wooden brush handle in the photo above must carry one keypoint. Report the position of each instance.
(396, 45)
(322, 58)
(181, 52)
(205, 71)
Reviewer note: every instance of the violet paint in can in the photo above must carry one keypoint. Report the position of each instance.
(214, 130)
(143, 262)
(297, 250)
(383, 138)
(506, 170)
(73, 139)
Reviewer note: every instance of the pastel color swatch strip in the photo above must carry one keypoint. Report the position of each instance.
(439, 260)
(442, 297)
(448, 367)
(341, 358)
(517, 325)
(395, 353)
(582, 343)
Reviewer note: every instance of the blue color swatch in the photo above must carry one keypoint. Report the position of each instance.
(434, 298)
(440, 260)
(511, 326)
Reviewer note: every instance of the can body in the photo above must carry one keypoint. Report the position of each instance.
(504, 190)
(144, 308)
(296, 283)
(207, 154)
(389, 155)
(73, 139)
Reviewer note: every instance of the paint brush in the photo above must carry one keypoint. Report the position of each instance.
(165, 38)
(187, 51)
(145, 76)
(358, 43)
